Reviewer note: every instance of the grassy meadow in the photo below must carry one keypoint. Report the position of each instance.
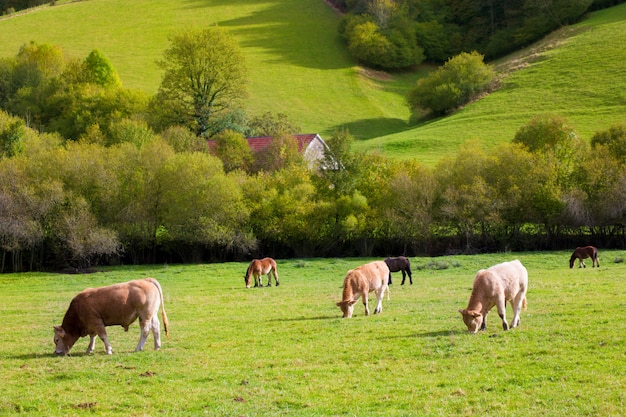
(285, 351)
(299, 66)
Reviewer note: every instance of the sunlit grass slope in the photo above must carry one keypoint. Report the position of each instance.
(297, 63)
(299, 66)
(577, 72)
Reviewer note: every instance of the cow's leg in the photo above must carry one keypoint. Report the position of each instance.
(403, 277)
(365, 297)
(581, 263)
(500, 303)
(92, 343)
(102, 334)
(517, 309)
(380, 293)
(389, 281)
(156, 332)
(144, 328)
(269, 279)
(275, 272)
(408, 272)
(483, 326)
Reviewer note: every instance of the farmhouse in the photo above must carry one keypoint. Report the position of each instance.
(311, 146)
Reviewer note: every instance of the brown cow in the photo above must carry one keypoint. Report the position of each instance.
(504, 282)
(120, 304)
(359, 282)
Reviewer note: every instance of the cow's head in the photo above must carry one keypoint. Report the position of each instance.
(472, 319)
(347, 307)
(63, 341)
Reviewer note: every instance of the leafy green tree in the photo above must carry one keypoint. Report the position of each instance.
(139, 205)
(272, 124)
(599, 199)
(557, 142)
(233, 150)
(614, 139)
(466, 202)
(100, 70)
(386, 40)
(182, 139)
(201, 206)
(282, 203)
(204, 78)
(20, 228)
(408, 210)
(75, 108)
(12, 138)
(129, 131)
(80, 235)
(339, 167)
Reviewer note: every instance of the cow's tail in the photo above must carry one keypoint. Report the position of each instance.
(163, 315)
(524, 303)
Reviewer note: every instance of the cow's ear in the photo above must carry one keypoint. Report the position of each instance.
(339, 303)
(462, 311)
(353, 302)
(59, 331)
(474, 313)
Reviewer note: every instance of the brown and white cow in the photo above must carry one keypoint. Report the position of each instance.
(120, 304)
(359, 282)
(496, 285)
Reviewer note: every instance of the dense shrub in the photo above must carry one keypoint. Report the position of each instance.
(389, 47)
(457, 82)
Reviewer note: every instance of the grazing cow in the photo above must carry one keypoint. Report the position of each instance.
(504, 282)
(258, 268)
(359, 282)
(584, 253)
(120, 304)
(401, 263)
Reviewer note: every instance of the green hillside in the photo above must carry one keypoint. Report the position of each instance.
(577, 72)
(299, 66)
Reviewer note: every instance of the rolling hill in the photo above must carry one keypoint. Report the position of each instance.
(299, 66)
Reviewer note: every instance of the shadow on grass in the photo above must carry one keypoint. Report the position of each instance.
(365, 129)
(29, 356)
(440, 333)
(308, 318)
(278, 30)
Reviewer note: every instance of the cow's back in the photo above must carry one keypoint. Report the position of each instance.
(116, 304)
(510, 277)
(375, 273)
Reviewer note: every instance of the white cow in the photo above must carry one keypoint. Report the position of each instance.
(496, 285)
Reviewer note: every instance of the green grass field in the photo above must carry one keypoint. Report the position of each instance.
(299, 66)
(285, 351)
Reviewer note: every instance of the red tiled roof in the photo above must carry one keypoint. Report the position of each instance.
(261, 142)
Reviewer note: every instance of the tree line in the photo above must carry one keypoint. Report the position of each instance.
(392, 34)
(92, 172)
(147, 199)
